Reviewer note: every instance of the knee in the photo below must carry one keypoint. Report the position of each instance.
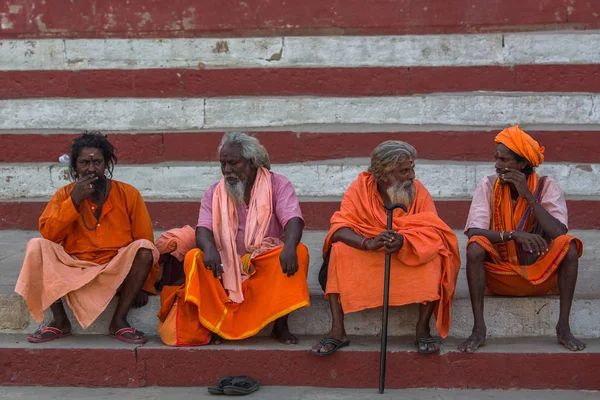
(145, 257)
(572, 257)
(475, 254)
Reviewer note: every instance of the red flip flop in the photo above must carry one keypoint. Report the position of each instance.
(123, 331)
(56, 334)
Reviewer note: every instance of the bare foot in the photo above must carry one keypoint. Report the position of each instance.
(475, 341)
(64, 325)
(281, 332)
(141, 299)
(569, 341)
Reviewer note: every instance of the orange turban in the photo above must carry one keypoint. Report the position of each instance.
(521, 143)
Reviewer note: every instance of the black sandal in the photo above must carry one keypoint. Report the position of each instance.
(241, 386)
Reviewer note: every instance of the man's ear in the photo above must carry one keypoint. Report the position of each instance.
(522, 165)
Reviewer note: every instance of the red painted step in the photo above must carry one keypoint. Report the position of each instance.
(99, 361)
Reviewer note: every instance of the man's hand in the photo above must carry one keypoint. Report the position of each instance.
(289, 260)
(84, 189)
(531, 242)
(519, 180)
(394, 245)
(212, 261)
(388, 239)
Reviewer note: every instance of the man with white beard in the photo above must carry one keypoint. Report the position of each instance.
(425, 259)
(249, 268)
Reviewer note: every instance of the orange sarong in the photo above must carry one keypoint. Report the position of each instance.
(268, 294)
(509, 271)
(425, 269)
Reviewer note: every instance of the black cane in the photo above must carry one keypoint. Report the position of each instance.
(386, 298)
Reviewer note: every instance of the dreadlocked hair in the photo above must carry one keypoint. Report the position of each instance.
(97, 140)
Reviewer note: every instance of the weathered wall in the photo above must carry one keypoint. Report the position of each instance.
(320, 83)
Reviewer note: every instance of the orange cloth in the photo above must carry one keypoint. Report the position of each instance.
(49, 273)
(124, 219)
(509, 260)
(268, 294)
(521, 143)
(425, 269)
(177, 242)
(225, 227)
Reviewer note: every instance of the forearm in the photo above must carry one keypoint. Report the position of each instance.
(550, 225)
(492, 236)
(293, 232)
(349, 237)
(204, 238)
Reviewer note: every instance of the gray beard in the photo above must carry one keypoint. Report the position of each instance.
(402, 192)
(236, 191)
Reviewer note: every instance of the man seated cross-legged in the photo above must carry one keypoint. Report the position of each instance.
(97, 241)
(425, 259)
(518, 244)
(250, 268)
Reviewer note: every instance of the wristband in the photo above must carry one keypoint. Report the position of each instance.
(502, 236)
(362, 244)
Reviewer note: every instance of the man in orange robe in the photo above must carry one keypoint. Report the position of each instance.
(97, 241)
(425, 259)
(518, 244)
(249, 268)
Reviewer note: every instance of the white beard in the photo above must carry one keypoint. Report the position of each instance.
(236, 191)
(402, 192)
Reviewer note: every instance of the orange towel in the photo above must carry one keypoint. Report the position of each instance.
(225, 227)
(268, 294)
(49, 273)
(428, 257)
(177, 242)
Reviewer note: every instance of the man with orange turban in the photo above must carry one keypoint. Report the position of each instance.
(425, 260)
(518, 243)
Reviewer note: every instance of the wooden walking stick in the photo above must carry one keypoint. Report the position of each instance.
(386, 297)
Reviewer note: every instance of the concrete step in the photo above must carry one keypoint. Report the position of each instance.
(288, 393)
(506, 317)
(100, 361)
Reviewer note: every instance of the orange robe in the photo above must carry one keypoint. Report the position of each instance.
(268, 294)
(75, 262)
(509, 272)
(424, 270)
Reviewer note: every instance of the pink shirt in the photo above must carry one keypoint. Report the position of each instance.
(285, 205)
(480, 214)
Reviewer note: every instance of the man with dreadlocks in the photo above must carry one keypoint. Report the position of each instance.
(97, 241)
(518, 244)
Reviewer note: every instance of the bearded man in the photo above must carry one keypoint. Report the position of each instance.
(518, 244)
(97, 241)
(425, 259)
(249, 268)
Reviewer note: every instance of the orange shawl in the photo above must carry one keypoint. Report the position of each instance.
(225, 227)
(425, 234)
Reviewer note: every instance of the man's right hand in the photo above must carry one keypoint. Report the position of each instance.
(380, 240)
(212, 261)
(84, 189)
(531, 242)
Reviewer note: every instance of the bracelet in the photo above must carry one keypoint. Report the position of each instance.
(362, 244)
(502, 236)
(510, 235)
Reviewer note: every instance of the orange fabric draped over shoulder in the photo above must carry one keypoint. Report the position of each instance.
(425, 269)
(511, 273)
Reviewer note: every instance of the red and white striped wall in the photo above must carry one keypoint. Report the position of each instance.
(320, 84)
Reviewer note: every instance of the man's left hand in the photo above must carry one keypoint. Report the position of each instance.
(394, 245)
(519, 180)
(289, 260)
